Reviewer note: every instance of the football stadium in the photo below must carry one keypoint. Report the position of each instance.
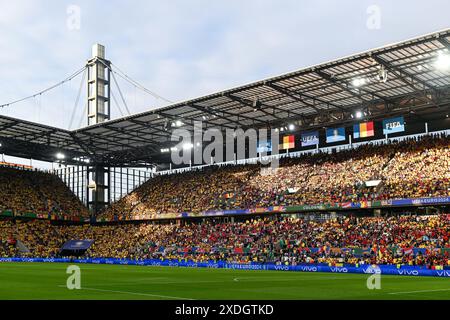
(328, 182)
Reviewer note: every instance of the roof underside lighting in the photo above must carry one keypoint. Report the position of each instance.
(443, 61)
(60, 156)
(359, 82)
(358, 114)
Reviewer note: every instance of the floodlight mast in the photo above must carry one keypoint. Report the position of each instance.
(98, 111)
(98, 86)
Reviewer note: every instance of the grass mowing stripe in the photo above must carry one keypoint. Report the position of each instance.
(181, 282)
(419, 291)
(132, 293)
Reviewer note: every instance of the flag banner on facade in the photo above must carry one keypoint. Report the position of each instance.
(335, 135)
(393, 125)
(310, 138)
(288, 142)
(363, 130)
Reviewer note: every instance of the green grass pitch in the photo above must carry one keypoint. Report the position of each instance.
(48, 281)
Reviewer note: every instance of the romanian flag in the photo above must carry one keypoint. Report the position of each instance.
(363, 130)
(288, 142)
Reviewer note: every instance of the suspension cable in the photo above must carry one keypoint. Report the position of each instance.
(127, 78)
(117, 104)
(121, 95)
(72, 118)
(82, 115)
(69, 78)
(124, 76)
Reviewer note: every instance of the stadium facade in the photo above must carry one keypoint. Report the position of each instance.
(375, 96)
(356, 139)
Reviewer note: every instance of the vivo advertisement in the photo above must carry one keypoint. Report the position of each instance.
(364, 269)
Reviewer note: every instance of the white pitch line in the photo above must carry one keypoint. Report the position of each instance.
(133, 293)
(419, 291)
(260, 279)
(238, 279)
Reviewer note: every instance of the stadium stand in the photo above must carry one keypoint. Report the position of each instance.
(395, 240)
(412, 168)
(38, 192)
(409, 169)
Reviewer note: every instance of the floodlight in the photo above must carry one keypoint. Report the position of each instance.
(443, 62)
(359, 82)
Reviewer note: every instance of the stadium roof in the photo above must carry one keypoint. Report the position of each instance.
(317, 96)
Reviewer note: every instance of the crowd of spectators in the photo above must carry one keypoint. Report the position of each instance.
(38, 192)
(409, 169)
(404, 240)
(8, 239)
(417, 167)
(413, 168)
